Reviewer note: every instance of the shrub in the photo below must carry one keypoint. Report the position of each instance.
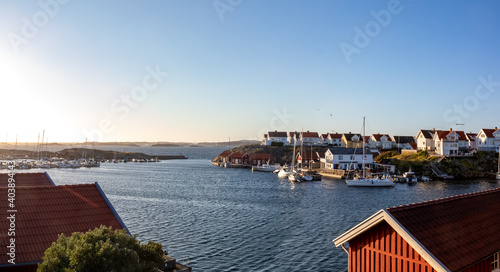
(101, 249)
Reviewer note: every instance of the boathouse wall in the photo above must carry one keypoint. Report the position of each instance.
(382, 249)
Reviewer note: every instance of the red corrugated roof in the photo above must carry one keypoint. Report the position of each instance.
(43, 212)
(27, 179)
(459, 230)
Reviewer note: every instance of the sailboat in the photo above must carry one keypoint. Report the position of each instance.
(364, 181)
(293, 176)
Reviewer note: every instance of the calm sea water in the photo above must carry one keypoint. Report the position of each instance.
(217, 219)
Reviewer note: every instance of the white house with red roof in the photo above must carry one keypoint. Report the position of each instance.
(488, 139)
(381, 141)
(310, 138)
(450, 143)
(275, 136)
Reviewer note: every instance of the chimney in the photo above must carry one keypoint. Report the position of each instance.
(451, 129)
(496, 128)
(433, 129)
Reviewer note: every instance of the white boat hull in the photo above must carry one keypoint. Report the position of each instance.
(498, 175)
(369, 183)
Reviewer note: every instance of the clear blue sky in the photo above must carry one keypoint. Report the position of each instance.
(240, 68)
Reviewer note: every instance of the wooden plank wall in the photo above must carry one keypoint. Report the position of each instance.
(382, 249)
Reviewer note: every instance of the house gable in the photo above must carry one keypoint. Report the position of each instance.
(426, 228)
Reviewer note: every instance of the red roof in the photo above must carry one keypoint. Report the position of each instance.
(27, 179)
(260, 156)
(335, 136)
(310, 134)
(489, 132)
(324, 136)
(378, 136)
(277, 134)
(458, 230)
(225, 154)
(237, 155)
(43, 212)
(471, 136)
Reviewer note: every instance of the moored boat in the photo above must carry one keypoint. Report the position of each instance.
(368, 182)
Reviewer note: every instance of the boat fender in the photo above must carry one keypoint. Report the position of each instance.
(372, 181)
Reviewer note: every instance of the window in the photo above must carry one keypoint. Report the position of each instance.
(494, 263)
(352, 157)
(341, 157)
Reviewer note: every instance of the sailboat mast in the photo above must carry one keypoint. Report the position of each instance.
(363, 139)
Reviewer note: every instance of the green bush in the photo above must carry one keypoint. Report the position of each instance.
(280, 144)
(101, 249)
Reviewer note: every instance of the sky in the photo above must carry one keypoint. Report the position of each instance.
(205, 71)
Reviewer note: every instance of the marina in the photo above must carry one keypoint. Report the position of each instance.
(199, 211)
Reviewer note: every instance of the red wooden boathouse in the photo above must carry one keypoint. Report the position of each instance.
(459, 233)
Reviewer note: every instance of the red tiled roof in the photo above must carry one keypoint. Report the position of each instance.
(366, 139)
(310, 134)
(459, 230)
(27, 179)
(324, 136)
(277, 134)
(43, 212)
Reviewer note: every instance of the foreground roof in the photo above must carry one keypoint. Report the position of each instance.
(27, 179)
(43, 212)
(451, 233)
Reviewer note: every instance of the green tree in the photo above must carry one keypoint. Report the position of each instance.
(101, 249)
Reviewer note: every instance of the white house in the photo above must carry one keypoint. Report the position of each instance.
(323, 139)
(404, 142)
(450, 143)
(335, 139)
(488, 139)
(275, 136)
(310, 138)
(381, 141)
(345, 158)
(352, 140)
(425, 139)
